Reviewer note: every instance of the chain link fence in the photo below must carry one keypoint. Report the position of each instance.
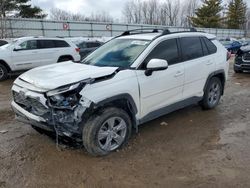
(15, 27)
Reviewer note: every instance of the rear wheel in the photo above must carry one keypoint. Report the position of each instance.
(212, 94)
(3, 72)
(107, 132)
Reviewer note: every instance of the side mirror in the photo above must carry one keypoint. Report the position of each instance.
(156, 65)
(17, 48)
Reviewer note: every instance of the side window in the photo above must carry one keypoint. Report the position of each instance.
(211, 47)
(167, 50)
(47, 44)
(204, 47)
(93, 45)
(29, 45)
(191, 48)
(61, 44)
(82, 45)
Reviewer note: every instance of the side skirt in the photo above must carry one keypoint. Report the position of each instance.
(168, 109)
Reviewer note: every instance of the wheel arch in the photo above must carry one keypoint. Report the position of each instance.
(219, 74)
(5, 64)
(122, 101)
(65, 56)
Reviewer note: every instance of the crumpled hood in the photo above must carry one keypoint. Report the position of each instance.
(53, 76)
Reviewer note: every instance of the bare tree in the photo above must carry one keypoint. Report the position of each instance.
(188, 11)
(172, 10)
(100, 17)
(58, 14)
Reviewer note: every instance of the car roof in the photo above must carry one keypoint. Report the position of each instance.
(152, 36)
(40, 38)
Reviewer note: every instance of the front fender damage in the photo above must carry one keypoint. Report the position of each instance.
(66, 122)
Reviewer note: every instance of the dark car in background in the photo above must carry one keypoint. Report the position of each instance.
(242, 60)
(87, 47)
(3, 42)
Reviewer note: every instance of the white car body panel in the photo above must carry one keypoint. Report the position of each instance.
(28, 59)
(177, 83)
(57, 75)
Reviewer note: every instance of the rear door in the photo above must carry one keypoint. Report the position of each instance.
(48, 51)
(162, 88)
(198, 65)
(27, 56)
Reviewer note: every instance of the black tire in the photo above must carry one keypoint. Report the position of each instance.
(63, 59)
(212, 94)
(3, 72)
(93, 126)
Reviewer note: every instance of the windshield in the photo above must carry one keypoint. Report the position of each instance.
(117, 53)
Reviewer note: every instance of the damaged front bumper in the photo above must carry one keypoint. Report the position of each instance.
(35, 108)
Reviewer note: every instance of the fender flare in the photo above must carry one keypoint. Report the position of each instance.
(218, 72)
(131, 105)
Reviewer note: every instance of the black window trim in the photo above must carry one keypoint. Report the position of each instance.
(182, 48)
(54, 41)
(178, 48)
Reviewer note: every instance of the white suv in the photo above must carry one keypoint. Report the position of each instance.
(130, 80)
(29, 52)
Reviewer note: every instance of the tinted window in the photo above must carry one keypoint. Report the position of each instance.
(211, 47)
(191, 48)
(81, 45)
(93, 44)
(61, 44)
(29, 45)
(47, 44)
(2, 42)
(167, 50)
(204, 47)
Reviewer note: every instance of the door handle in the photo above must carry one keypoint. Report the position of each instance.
(34, 52)
(179, 73)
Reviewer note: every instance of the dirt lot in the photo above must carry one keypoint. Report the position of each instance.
(194, 148)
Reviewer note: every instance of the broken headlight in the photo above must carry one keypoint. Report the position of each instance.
(65, 97)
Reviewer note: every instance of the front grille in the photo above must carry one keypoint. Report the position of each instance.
(246, 56)
(31, 105)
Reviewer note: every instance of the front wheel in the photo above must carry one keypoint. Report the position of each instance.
(212, 94)
(3, 72)
(107, 131)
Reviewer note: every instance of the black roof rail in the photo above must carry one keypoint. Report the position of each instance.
(165, 31)
(143, 30)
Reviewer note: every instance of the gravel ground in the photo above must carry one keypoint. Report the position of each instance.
(187, 148)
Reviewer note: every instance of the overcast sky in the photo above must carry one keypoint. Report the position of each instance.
(86, 7)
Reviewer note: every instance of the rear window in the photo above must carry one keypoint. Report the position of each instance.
(191, 48)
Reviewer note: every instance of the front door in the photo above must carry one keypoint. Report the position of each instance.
(162, 88)
(26, 56)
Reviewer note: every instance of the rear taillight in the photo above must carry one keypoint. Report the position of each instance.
(78, 50)
(228, 55)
